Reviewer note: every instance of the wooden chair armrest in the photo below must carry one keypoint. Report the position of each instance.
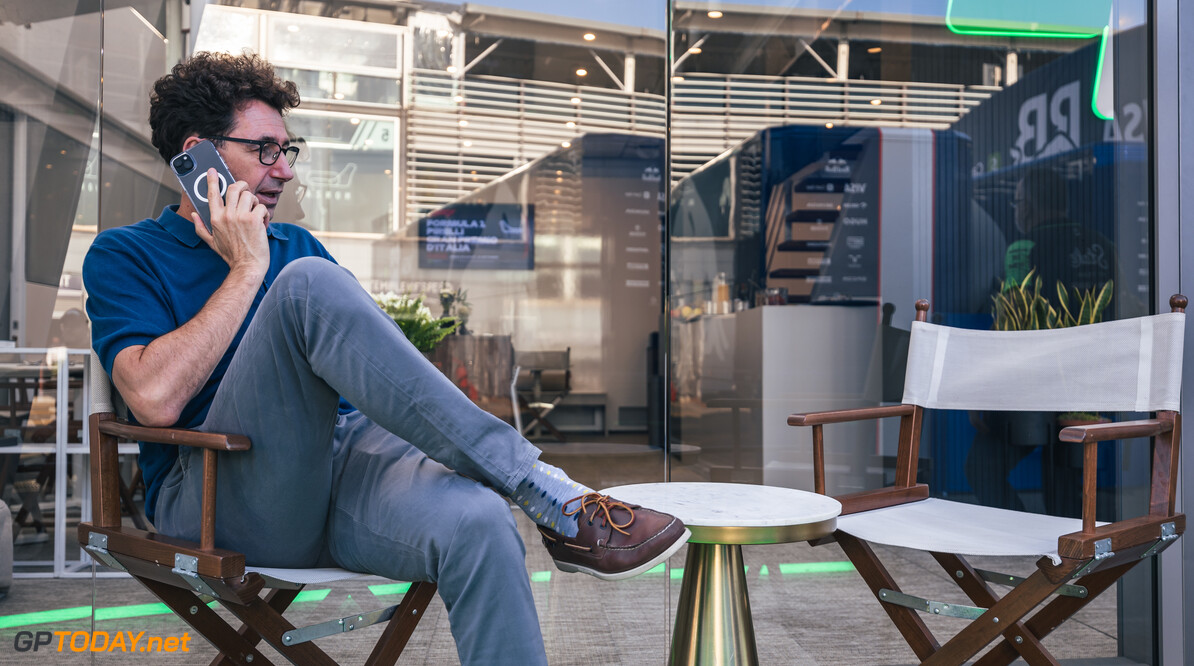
(1101, 432)
(866, 500)
(847, 415)
(1124, 534)
(204, 440)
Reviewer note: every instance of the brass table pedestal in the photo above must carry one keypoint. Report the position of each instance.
(713, 620)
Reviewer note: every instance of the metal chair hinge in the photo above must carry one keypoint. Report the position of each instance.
(1168, 535)
(926, 606)
(187, 568)
(1102, 552)
(97, 547)
(345, 624)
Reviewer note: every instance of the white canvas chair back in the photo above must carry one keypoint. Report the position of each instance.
(1084, 368)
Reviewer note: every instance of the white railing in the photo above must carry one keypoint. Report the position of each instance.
(712, 113)
(463, 133)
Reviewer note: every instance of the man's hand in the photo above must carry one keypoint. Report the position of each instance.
(237, 227)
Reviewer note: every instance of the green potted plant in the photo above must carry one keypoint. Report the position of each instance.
(415, 319)
(1023, 307)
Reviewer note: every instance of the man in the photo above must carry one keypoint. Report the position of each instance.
(252, 328)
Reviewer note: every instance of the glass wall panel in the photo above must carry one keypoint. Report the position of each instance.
(830, 167)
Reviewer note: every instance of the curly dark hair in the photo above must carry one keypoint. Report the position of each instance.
(201, 94)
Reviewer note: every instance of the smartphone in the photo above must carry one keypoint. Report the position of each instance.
(191, 167)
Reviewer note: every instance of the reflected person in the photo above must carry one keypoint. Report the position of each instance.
(1059, 249)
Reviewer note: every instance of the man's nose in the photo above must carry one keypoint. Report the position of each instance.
(282, 170)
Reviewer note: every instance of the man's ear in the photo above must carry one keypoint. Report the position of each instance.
(190, 142)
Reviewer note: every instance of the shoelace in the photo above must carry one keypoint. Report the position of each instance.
(603, 503)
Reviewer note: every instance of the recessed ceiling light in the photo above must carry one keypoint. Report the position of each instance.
(468, 144)
(582, 72)
(828, 125)
(874, 49)
(590, 36)
(338, 96)
(570, 124)
(876, 102)
(292, 28)
(715, 14)
(355, 121)
(694, 50)
(458, 98)
(575, 100)
(566, 144)
(464, 123)
(451, 69)
(677, 78)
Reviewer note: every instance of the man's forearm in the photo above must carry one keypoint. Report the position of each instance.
(157, 380)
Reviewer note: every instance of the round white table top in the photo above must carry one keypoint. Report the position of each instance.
(737, 512)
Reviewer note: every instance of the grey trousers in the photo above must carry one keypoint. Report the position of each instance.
(404, 488)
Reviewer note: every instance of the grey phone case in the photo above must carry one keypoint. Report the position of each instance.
(190, 166)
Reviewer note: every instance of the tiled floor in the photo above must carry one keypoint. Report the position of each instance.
(801, 617)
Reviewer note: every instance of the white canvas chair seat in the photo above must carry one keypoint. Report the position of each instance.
(317, 576)
(942, 526)
(1130, 366)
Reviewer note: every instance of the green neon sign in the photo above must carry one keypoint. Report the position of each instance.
(1061, 19)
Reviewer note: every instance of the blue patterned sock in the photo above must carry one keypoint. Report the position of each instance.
(542, 494)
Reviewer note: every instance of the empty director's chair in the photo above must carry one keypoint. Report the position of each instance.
(1132, 365)
(543, 380)
(186, 575)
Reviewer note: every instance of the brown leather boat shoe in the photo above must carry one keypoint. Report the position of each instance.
(614, 540)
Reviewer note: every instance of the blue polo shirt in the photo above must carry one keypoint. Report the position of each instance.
(147, 279)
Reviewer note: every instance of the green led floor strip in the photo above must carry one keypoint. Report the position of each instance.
(42, 617)
(815, 568)
(146, 610)
(312, 595)
(389, 588)
(138, 610)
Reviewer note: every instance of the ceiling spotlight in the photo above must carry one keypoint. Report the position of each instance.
(355, 121)
(338, 95)
(451, 69)
(677, 78)
(566, 144)
(582, 72)
(828, 125)
(570, 124)
(575, 100)
(589, 36)
(464, 123)
(292, 28)
(876, 102)
(468, 144)
(694, 50)
(874, 49)
(458, 99)
(715, 14)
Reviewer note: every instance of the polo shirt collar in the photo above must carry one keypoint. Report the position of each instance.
(184, 230)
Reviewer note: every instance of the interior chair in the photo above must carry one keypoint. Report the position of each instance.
(1132, 365)
(186, 575)
(543, 380)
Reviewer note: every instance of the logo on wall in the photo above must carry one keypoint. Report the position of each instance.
(1048, 124)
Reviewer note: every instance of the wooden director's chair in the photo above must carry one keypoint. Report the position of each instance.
(542, 381)
(187, 575)
(1133, 365)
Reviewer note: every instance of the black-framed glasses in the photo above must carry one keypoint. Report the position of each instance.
(268, 152)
